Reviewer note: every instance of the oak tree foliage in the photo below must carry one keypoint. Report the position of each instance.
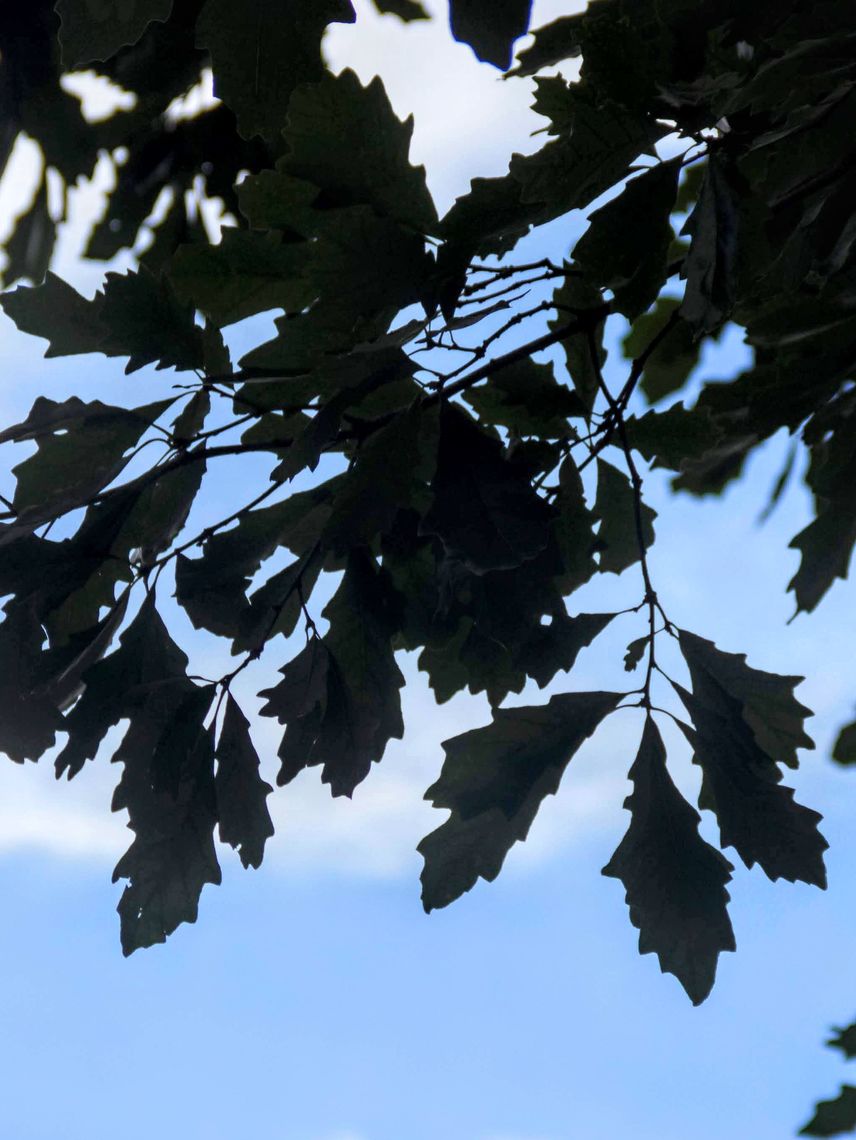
(442, 444)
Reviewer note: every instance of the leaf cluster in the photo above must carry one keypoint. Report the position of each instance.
(464, 463)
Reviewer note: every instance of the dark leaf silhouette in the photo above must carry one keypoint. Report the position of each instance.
(756, 814)
(483, 511)
(615, 507)
(339, 697)
(832, 1117)
(769, 706)
(623, 256)
(259, 57)
(709, 267)
(245, 822)
(327, 121)
(556, 646)
(490, 29)
(675, 882)
(494, 780)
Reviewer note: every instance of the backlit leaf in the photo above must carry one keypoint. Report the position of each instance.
(675, 882)
(172, 856)
(769, 706)
(339, 698)
(585, 354)
(739, 752)
(556, 646)
(620, 254)
(483, 511)
(526, 397)
(494, 780)
(260, 53)
(146, 322)
(96, 29)
(594, 149)
(676, 352)
(844, 751)
(550, 45)
(618, 537)
(574, 529)
(53, 310)
(245, 822)
(490, 28)
(832, 1117)
(330, 122)
(246, 273)
(81, 448)
(709, 265)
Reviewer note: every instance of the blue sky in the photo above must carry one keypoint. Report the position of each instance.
(314, 1000)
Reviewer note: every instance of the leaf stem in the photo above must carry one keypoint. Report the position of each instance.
(650, 599)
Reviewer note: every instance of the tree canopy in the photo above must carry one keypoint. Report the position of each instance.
(457, 481)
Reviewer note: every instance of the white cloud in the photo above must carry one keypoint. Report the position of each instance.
(373, 836)
(468, 119)
(70, 821)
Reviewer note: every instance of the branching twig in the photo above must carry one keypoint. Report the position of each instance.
(650, 599)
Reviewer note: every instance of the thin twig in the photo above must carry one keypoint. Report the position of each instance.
(650, 598)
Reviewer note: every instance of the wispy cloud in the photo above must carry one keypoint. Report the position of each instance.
(373, 836)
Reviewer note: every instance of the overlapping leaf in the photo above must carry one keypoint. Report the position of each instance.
(483, 511)
(261, 53)
(584, 351)
(145, 679)
(173, 855)
(168, 782)
(573, 528)
(339, 697)
(624, 256)
(29, 717)
(390, 473)
(769, 706)
(81, 448)
(246, 273)
(746, 722)
(527, 398)
(345, 139)
(212, 589)
(550, 45)
(675, 352)
(475, 562)
(710, 264)
(674, 437)
(594, 149)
